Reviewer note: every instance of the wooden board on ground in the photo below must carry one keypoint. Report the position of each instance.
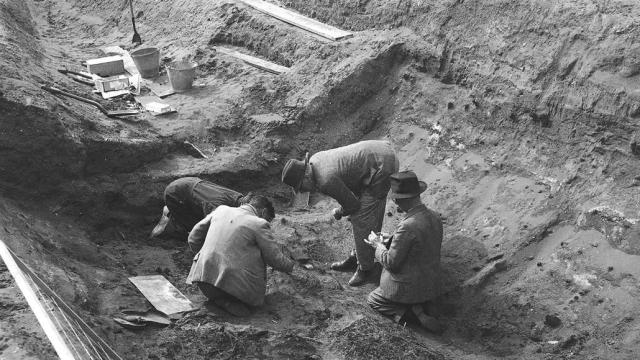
(162, 294)
(154, 105)
(161, 90)
(254, 61)
(299, 20)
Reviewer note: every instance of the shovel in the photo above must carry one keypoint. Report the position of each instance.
(136, 37)
(113, 113)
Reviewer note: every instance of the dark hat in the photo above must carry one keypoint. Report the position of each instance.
(293, 172)
(405, 184)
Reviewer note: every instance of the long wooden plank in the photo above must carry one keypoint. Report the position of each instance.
(254, 61)
(299, 20)
(44, 288)
(37, 307)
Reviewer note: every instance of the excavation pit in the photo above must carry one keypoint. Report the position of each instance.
(524, 135)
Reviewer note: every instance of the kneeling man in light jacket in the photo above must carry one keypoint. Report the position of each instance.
(233, 246)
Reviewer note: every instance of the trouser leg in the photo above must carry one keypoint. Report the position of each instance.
(368, 218)
(223, 299)
(387, 307)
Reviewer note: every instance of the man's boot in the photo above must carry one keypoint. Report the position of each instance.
(348, 264)
(428, 322)
(362, 277)
(162, 224)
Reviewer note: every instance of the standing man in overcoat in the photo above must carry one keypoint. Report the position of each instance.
(357, 177)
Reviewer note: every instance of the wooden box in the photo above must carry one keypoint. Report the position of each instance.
(106, 66)
(112, 83)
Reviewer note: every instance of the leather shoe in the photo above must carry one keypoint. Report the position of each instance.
(348, 264)
(362, 277)
(162, 224)
(428, 322)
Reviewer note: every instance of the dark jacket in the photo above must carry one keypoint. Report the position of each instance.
(190, 199)
(345, 172)
(411, 265)
(233, 247)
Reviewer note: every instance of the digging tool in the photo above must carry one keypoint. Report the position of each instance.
(79, 73)
(78, 76)
(109, 113)
(150, 316)
(136, 37)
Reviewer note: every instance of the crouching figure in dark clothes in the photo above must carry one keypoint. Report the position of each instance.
(411, 264)
(233, 247)
(188, 200)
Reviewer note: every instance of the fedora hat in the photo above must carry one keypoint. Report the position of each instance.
(405, 184)
(293, 171)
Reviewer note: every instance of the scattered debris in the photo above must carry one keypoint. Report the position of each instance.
(109, 113)
(584, 280)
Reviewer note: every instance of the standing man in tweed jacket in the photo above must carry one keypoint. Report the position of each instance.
(357, 176)
(411, 263)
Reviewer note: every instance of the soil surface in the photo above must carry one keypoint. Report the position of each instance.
(522, 117)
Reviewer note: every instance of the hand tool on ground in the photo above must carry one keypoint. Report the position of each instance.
(136, 37)
(109, 113)
(129, 324)
(149, 316)
(79, 73)
(78, 76)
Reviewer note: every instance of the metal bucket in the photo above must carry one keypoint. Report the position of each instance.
(147, 62)
(181, 75)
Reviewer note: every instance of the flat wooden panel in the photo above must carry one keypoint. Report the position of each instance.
(254, 61)
(165, 297)
(151, 102)
(299, 20)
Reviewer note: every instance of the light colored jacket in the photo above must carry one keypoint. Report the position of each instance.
(411, 265)
(233, 247)
(345, 172)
